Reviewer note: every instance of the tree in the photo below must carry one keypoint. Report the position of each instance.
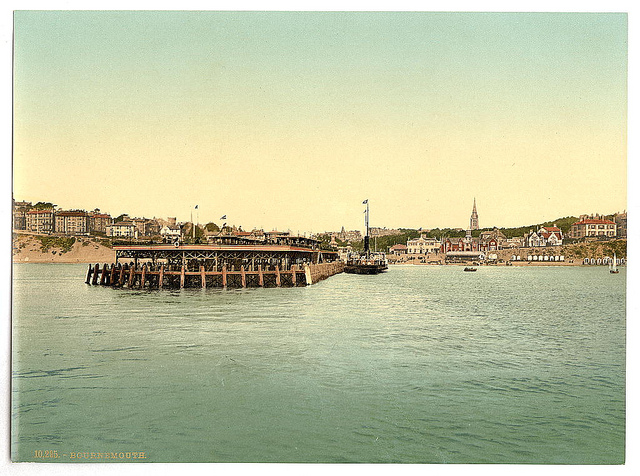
(212, 227)
(44, 206)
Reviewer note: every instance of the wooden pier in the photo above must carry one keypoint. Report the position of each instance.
(220, 266)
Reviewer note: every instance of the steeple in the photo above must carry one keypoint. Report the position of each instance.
(473, 222)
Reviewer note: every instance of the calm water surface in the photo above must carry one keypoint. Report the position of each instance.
(421, 364)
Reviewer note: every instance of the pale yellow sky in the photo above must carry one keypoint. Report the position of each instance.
(290, 121)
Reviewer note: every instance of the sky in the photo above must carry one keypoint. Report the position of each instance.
(283, 120)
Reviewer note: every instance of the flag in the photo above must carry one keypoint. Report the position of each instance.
(366, 201)
(224, 217)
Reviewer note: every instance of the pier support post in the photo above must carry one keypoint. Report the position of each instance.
(121, 277)
(161, 277)
(260, 276)
(203, 277)
(144, 276)
(182, 277)
(103, 275)
(96, 269)
(293, 274)
(224, 275)
(88, 281)
(277, 276)
(112, 275)
(132, 275)
(244, 277)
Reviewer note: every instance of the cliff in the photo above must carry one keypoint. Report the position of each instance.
(28, 248)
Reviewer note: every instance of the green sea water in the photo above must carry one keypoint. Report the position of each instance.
(423, 364)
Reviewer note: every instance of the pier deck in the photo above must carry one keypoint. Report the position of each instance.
(158, 266)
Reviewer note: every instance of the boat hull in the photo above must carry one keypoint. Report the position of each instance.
(364, 268)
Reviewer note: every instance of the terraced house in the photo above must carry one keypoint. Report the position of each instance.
(72, 222)
(98, 222)
(40, 221)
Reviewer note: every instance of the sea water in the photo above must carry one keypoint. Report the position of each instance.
(421, 364)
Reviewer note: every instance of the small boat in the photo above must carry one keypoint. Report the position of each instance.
(366, 262)
(470, 269)
(613, 267)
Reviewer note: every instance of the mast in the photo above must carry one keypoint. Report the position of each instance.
(366, 223)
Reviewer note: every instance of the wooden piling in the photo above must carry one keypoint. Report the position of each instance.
(96, 269)
(121, 277)
(132, 275)
(143, 277)
(249, 265)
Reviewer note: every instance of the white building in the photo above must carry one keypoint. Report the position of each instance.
(170, 232)
(423, 245)
(122, 229)
(545, 236)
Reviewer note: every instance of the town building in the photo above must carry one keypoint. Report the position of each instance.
(146, 226)
(398, 249)
(594, 226)
(122, 229)
(515, 242)
(170, 233)
(375, 231)
(621, 224)
(40, 221)
(423, 245)
(72, 222)
(348, 236)
(98, 222)
(491, 240)
(19, 214)
(545, 236)
(466, 243)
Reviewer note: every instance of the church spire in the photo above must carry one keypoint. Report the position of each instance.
(473, 222)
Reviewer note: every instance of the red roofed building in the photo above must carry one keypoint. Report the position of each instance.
(72, 222)
(593, 227)
(98, 222)
(398, 249)
(545, 236)
(40, 221)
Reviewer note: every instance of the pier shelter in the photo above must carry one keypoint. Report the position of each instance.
(216, 265)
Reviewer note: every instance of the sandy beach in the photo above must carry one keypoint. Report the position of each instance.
(29, 249)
